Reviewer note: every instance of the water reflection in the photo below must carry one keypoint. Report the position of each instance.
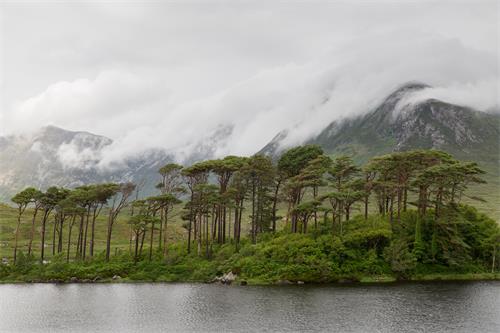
(431, 307)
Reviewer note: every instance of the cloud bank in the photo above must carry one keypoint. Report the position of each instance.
(282, 70)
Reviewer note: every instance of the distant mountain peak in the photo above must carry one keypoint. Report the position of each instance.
(400, 124)
(411, 86)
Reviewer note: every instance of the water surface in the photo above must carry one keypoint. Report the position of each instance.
(415, 307)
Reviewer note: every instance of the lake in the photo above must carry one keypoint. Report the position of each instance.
(401, 307)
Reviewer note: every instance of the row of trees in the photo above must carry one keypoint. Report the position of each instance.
(304, 183)
(311, 184)
(79, 207)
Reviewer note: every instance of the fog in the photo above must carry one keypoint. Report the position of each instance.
(171, 75)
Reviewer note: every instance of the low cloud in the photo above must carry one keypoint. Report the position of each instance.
(238, 93)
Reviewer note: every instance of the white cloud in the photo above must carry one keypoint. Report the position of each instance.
(169, 76)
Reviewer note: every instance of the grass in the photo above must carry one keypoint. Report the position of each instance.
(120, 242)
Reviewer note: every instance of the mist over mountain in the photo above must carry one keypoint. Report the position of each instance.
(402, 123)
(55, 156)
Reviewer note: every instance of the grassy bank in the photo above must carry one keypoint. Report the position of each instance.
(275, 259)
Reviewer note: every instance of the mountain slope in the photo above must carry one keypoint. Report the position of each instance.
(54, 156)
(394, 126)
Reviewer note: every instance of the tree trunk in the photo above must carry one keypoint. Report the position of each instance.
(239, 221)
(275, 202)
(399, 205)
(190, 223)
(136, 246)
(42, 249)
(405, 199)
(160, 236)
(108, 239)
(339, 205)
(79, 241)
(60, 241)
(85, 236)
(391, 210)
(366, 207)
(69, 238)
(165, 234)
(254, 231)
(224, 212)
(151, 241)
(493, 259)
(92, 237)
(17, 233)
(32, 234)
(142, 242)
(54, 236)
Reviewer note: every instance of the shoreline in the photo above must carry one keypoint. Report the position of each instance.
(368, 280)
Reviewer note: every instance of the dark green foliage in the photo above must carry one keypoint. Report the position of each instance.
(421, 227)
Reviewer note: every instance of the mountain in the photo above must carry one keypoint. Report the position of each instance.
(54, 156)
(396, 125)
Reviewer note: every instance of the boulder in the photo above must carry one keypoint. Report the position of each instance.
(116, 277)
(73, 279)
(283, 282)
(227, 278)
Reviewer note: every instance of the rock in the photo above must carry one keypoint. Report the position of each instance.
(227, 278)
(86, 280)
(97, 278)
(300, 282)
(116, 277)
(283, 282)
(73, 279)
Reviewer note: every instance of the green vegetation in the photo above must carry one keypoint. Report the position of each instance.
(306, 218)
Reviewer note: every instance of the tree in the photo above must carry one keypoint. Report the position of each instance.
(290, 164)
(48, 201)
(304, 212)
(139, 224)
(72, 211)
(237, 192)
(194, 175)
(121, 194)
(224, 170)
(171, 184)
(22, 199)
(35, 198)
(100, 195)
(259, 172)
(446, 182)
(313, 176)
(346, 188)
(205, 204)
(160, 203)
(171, 179)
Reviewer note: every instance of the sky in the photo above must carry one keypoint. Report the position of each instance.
(158, 74)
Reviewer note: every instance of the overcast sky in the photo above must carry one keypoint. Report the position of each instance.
(168, 74)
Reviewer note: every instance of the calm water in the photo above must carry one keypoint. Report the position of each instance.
(425, 307)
